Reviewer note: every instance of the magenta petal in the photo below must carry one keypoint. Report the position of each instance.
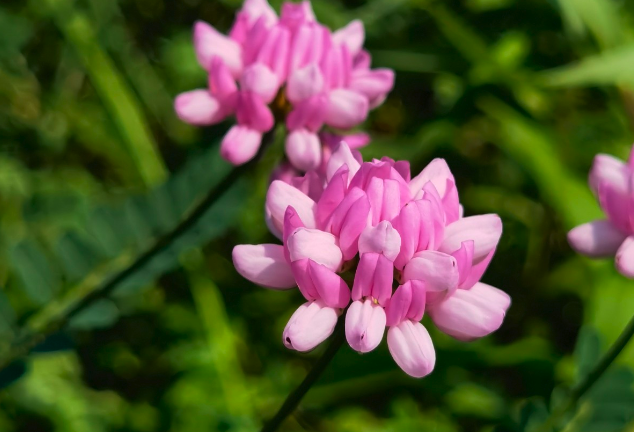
(260, 80)
(464, 258)
(221, 84)
(346, 108)
(408, 224)
(292, 221)
(419, 299)
(365, 325)
(412, 348)
(308, 114)
(281, 195)
(476, 272)
(208, 43)
(471, 314)
(616, 204)
(240, 144)
(625, 258)
(274, 51)
(316, 245)
(484, 230)
(198, 107)
(351, 35)
(331, 288)
(353, 224)
(303, 149)
(332, 196)
(264, 265)
(437, 270)
(609, 170)
(596, 239)
(253, 112)
(309, 326)
(399, 305)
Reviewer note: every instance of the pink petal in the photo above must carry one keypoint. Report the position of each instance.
(476, 272)
(384, 199)
(309, 326)
(399, 305)
(596, 239)
(264, 265)
(625, 258)
(316, 245)
(464, 258)
(340, 157)
(303, 149)
(309, 113)
(274, 51)
(412, 348)
(222, 85)
(382, 239)
(365, 324)
(437, 270)
(408, 224)
(610, 170)
(209, 43)
(351, 35)
(304, 83)
(346, 108)
(294, 15)
(331, 288)
(349, 220)
(471, 314)
(198, 107)
(373, 84)
(253, 112)
(484, 230)
(373, 278)
(260, 80)
(292, 222)
(332, 196)
(437, 172)
(616, 204)
(353, 141)
(281, 195)
(240, 144)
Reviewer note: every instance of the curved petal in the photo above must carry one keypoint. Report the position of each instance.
(304, 83)
(303, 149)
(208, 43)
(281, 195)
(264, 265)
(240, 144)
(346, 108)
(331, 288)
(412, 348)
(382, 239)
(625, 258)
(437, 270)
(310, 325)
(373, 84)
(198, 107)
(316, 245)
(340, 157)
(365, 325)
(596, 239)
(352, 35)
(484, 230)
(437, 172)
(260, 80)
(610, 170)
(471, 314)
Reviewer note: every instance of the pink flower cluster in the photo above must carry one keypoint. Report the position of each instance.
(290, 68)
(612, 182)
(402, 239)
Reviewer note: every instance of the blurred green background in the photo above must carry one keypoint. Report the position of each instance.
(517, 95)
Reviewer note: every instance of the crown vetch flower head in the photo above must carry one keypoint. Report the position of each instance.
(391, 230)
(291, 68)
(612, 182)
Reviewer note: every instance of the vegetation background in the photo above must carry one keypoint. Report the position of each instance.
(517, 95)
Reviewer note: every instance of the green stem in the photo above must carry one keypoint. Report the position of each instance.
(586, 384)
(293, 399)
(24, 344)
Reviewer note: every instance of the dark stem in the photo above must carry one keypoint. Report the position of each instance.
(589, 380)
(24, 344)
(294, 398)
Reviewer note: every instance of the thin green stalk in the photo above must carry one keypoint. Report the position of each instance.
(293, 399)
(113, 90)
(586, 384)
(24, 344)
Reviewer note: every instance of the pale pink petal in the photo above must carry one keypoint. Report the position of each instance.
(309, 114)
(374, 84)
(209, 43)
(399, 305)
(292, 221)
(349, 220)
(294, 15)
(264, 265)
(365, 325)
(408, 224)
(382, 239)
(342, 156)
(346, 108)
(437, 270)
(471, 314)
(412, 348)
(198, 107)
(281, 195)
(274, 51)
(625, 258)
(319, 246)
(221, 84)
(310, 325)
(303, 149)
(304, 83)
(240, 144)
(353, 141)
(373, 278)
(596, 239)
(261, 80)
(616, 204)
(610, 170)
(437, 172)
(484, 230)
(351, 35)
